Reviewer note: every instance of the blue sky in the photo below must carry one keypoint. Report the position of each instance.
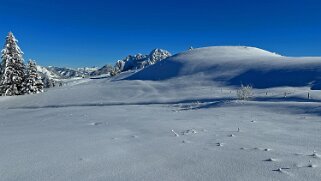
(87, 33)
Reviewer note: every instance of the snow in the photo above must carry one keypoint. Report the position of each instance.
(236, 66)
(47, 73)
(139, 61)
(187, 126)
(58, 73)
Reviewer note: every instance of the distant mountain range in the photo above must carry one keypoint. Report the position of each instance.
(57, 73)
(131, 62)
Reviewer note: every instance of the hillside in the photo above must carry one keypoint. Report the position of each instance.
(237, 65)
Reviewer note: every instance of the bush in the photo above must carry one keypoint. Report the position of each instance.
(244, 92)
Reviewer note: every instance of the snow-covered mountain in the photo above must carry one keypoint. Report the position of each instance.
(69, 72)
(45, 72)
(131, 62)
(237, 65)
(140, 61)
(64, 73)
(103, 70)
(189, 126)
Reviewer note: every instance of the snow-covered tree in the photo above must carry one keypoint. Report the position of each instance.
(33, 83)
(244, 92)
(12, 71)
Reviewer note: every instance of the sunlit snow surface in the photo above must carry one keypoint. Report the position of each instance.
(187, 125)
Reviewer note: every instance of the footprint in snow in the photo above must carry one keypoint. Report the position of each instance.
(315, 155)
(311, 166)
(281, 170)
(271, 160)
(185, 141)
(134, 136)
(95, 123)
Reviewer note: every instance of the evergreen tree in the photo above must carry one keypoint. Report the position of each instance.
(33, 83)
(12, 71)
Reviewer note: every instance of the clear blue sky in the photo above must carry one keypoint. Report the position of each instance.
(87, 33)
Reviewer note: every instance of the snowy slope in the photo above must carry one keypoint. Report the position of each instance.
(186, 127)
(237, 65)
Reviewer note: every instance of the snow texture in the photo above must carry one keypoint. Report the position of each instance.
(236, 66)
(188, 126)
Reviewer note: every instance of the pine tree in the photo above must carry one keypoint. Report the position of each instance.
(33, 83)
(12, 71)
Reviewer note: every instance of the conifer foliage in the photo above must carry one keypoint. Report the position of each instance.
(12, 71)
(15, 79)
(33, 83)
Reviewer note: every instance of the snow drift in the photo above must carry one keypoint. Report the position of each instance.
(237, 65)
